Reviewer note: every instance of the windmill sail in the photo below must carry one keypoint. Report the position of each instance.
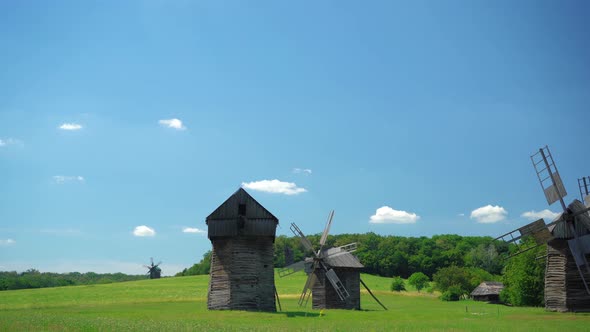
(290, 269)
(548, 176)
(304, 240)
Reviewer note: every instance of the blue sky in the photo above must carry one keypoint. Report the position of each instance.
(409, 119)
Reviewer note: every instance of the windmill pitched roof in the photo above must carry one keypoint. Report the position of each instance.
(229, 208)
(336, 257)
(488, 288)
(561, 230)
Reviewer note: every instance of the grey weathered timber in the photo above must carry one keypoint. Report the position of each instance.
(242, 233)
(325, 296)
(564, 288)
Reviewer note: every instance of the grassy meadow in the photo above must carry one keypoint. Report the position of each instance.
(180, 304)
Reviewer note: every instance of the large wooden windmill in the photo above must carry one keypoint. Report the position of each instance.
(242, 233)
(333, 279)
(567, 274)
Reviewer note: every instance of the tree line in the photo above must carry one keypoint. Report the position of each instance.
(390, 256)
(456, 264)
(34, 279)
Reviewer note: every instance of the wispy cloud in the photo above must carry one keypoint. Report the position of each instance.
(65, 232)
(461, 215)
(489, 214)
(7, 242)
(274, 187)
(302, 170)
(71, 126)
(9, 141)
(387, 215)
(60, 179)
(545, 214)
(193, 230)
(172, 123)
(144, 231)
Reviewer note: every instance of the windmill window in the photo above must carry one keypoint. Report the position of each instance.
(242, 209)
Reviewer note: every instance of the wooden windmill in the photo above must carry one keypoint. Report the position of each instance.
(154, 269)
(242, 233)
(567, 272)
(333, 279)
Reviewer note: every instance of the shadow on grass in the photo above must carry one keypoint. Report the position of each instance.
(291, 314)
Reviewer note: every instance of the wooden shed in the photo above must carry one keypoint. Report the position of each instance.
(488, 291)
(242, 233)
(347, 267)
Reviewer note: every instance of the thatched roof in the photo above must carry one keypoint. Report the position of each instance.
(488, 288)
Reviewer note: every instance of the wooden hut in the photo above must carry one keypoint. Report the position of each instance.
(242, 233)
(564, 287)
(487, 291)
(347, 267)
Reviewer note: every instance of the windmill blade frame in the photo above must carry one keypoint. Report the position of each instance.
(290, 269)
(342, 292)
(309, 283)
(304, 240)
(326, 231)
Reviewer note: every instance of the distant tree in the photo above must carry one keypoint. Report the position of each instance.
(485, 257)
(418, 280)
(398, 284)
(524, 278)
(461, 279)
(202, 267)
(453, 293)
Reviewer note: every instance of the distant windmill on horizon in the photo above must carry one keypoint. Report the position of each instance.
(154, 270)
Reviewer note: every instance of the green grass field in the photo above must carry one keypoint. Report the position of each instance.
(180, 304)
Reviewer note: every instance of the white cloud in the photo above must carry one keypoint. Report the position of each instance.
(193, 230)
(67, 178)
(9, 141)
(545, 214)
(7, 242)
(274, 187)
(70, 126)
(172, 123)
(144, 231)
(489, 214)
(302, 170)
(387, 215)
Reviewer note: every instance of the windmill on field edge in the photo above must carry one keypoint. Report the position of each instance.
(567, 272)
(154, 270)
(333, 279)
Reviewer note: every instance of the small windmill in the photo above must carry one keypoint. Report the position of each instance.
(333, 273)
(154, 270)
(567, 236)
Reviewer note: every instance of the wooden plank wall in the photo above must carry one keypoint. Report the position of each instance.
(325, 296)
(564, 289)
(219, 283)
(242, 275)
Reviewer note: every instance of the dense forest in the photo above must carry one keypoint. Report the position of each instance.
(390, 256)
(35, 279)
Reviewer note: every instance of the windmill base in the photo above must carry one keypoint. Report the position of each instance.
(564, 288)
